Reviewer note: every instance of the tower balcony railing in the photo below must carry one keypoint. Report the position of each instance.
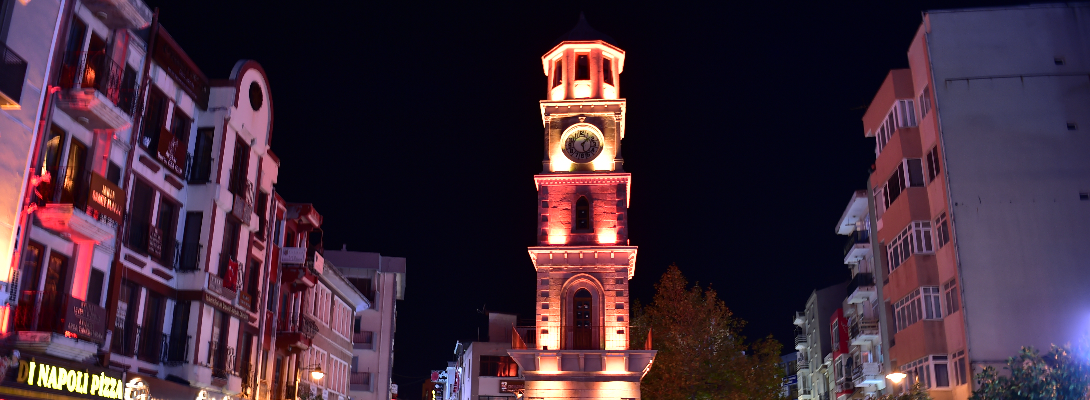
(582, 337)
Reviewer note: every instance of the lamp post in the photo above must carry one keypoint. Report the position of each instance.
(896, 378)
(315, 373)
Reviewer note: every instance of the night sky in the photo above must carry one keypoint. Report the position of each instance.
(415, 130)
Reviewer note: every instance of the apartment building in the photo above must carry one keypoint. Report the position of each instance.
(813, 342)
(982, 207)
(26, 59)
(381, 280)
(856, 328)
(152, 254)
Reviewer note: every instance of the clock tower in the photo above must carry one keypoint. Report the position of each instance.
(580, 348)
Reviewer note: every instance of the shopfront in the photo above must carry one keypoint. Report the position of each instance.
(143, 387)
(37, 376)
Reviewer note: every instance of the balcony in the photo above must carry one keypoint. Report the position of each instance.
(585, 337)
(360, 381)
(121, 14)
(295, 335)
(802, 364)
(243, 194)
(177, 350)
(805, 394)
(12, 75)
(96, 91)
(151, 345)
(861, 288)
(866, 374)
(221, 358)
(857, 247)
(863, 331)
(800, 319)
(300, 267)
(54, 323)
(800, 342)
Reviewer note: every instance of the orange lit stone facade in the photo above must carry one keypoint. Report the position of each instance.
(580, 347)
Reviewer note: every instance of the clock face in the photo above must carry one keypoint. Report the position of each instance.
(582, 145)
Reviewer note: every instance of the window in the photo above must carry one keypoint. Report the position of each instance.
(502, 366)
(229, 251)
(916, 238)
(960, 376)
(582, 214)
(154, 120)
(140, 210)
(558, 72)
(239, 169)
(942, 230)
(932, 164)
(923, 303)
(930, 372)
(950, 289)
(165, 227)
(74, 184)
(262, 214)
(908, 174)
(180, 126)
(94, 287)
(607, 70)
(201, 170)
(925, 102)
(582, 67)
(902, 115)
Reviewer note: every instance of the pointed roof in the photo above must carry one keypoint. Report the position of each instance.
(583, 32)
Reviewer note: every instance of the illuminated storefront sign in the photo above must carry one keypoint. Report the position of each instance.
(106, 198)
(58, 378)
(512, 386)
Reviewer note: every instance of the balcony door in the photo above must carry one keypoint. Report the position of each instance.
(54, 293)
(583, 331)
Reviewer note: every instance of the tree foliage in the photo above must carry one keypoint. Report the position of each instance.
(1060, 374)
(701, 352)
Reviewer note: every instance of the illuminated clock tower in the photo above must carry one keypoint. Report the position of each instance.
(580, 347)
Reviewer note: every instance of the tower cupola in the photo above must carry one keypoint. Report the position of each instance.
(584, 64)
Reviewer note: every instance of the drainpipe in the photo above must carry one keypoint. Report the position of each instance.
(118, 269)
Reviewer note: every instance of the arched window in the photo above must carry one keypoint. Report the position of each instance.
(582, 214)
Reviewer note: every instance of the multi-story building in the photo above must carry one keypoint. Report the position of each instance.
(483, 369)
(862, 362)
(980, 188)
(790, 364)
(812, 342)
(381, 280)
(26, 59)
(583, 259)
(153, 254)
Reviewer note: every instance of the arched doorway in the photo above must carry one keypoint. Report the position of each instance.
(582, 331)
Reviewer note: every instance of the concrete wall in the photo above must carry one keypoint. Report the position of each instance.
(1015, 171)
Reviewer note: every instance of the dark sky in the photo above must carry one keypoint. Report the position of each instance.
(415, 131)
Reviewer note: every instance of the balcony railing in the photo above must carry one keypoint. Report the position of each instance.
(587, 337)
(190, 257)
(363, 340)
(12, 74)
(857, 237)
(862, 279)
(177, 350)
(151, 345)
(800, 342)
(360, 381)
(82, 69)
(221, 358)
(863, 327)
(124, 340)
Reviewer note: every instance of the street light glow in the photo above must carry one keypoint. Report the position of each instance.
(896, 377)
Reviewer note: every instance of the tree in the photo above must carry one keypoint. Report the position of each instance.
(1060, 374)
(701, 353)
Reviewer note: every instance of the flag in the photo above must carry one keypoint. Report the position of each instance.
(647, 346)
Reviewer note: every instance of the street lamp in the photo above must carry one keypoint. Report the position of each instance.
(315, 371)
(896, 377)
